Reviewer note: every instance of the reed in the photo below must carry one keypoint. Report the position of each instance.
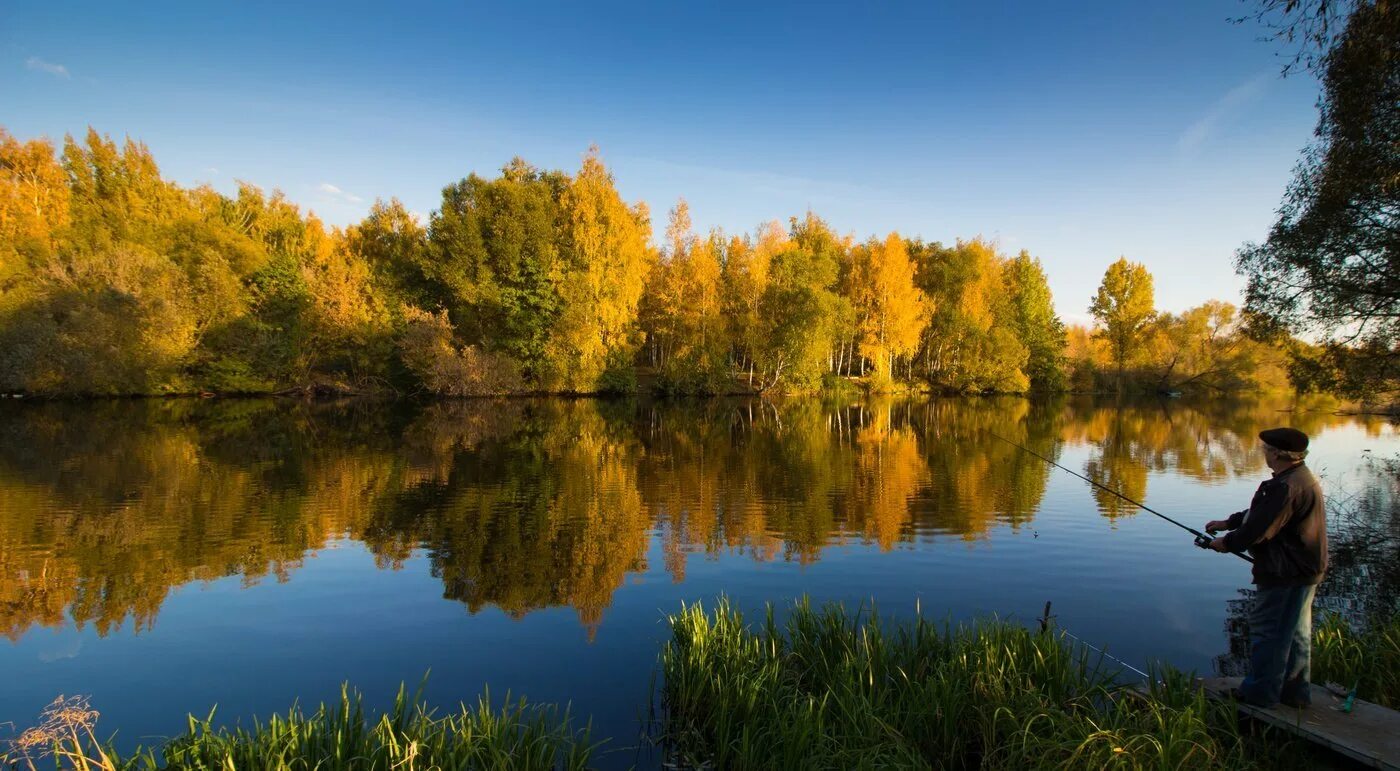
(335, 737)
(826, 689)
(1368, 658)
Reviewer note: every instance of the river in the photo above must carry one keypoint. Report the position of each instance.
(165, 556)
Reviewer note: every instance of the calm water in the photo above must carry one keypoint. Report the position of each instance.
(166, 556)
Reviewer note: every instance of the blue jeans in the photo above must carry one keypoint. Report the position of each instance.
(1280, 641)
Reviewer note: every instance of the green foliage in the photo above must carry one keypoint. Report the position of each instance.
(1368, 659)
(827, 689)
(498, 260)
(1124, 308)
(971, 343)
(799, 308)
(335, 737)
(1035, 323)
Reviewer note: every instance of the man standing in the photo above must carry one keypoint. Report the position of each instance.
(1285, 531)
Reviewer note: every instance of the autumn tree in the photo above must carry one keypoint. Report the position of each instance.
(1206, 348)
(114, 280)
(971, 342)
(745, 277)
(799, 308)
(609, 257)
(890, 309)
(101, 308)
(498, 263)
(34, 201)
(265, 347)
(349, 333)
(1035, 322)
(1124, 309)
(394, 244)
(1087, 356)
(682, 310)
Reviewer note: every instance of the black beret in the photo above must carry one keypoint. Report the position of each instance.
(1290, 439)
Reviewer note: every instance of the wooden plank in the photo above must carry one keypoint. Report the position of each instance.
(1369, 734)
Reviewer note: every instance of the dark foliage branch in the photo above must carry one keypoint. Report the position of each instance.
(1306, 28)
(1330, 267)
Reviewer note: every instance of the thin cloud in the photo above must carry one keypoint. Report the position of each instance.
(768, 183)
(337, 193)
(1225, 109)
(39, 65)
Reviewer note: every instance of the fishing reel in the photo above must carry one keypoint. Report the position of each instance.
(1203, 541)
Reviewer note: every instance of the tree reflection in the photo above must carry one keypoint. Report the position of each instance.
(526, 504)
(546, 513)
(1208, 442)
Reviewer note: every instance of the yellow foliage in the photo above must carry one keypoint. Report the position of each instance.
(891, 310)
(890, 471)
(33, 193)
(612, 257)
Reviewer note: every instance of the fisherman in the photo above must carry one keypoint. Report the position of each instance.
(1285, 531)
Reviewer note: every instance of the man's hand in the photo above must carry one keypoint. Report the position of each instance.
(1219, 545)
(1216, 525)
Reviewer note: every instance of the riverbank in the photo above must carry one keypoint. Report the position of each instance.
(825, 688)
(1305, 404)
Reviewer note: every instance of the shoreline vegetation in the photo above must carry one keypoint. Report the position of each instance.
(823, 688)
(117, 281)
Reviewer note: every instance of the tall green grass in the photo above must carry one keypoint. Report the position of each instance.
(829, 690)
(336, 737)
(1368, 659)
(826, 688)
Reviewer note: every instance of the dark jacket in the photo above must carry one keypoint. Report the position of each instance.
(1284, 529)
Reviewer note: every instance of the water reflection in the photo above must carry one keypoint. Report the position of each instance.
(528, 504)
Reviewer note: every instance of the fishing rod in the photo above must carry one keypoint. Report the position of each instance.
(1202, 540)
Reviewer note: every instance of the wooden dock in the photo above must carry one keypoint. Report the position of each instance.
(1369, 734)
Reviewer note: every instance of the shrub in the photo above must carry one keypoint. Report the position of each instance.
(430, 351)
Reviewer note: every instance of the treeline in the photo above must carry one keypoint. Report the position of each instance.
(1134, 346)
(116, 281)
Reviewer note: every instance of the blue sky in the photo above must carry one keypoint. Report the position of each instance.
(1078, 131)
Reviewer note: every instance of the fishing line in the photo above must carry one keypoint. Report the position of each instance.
(1047, 626)
(1105, 654)
(1201, 538)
